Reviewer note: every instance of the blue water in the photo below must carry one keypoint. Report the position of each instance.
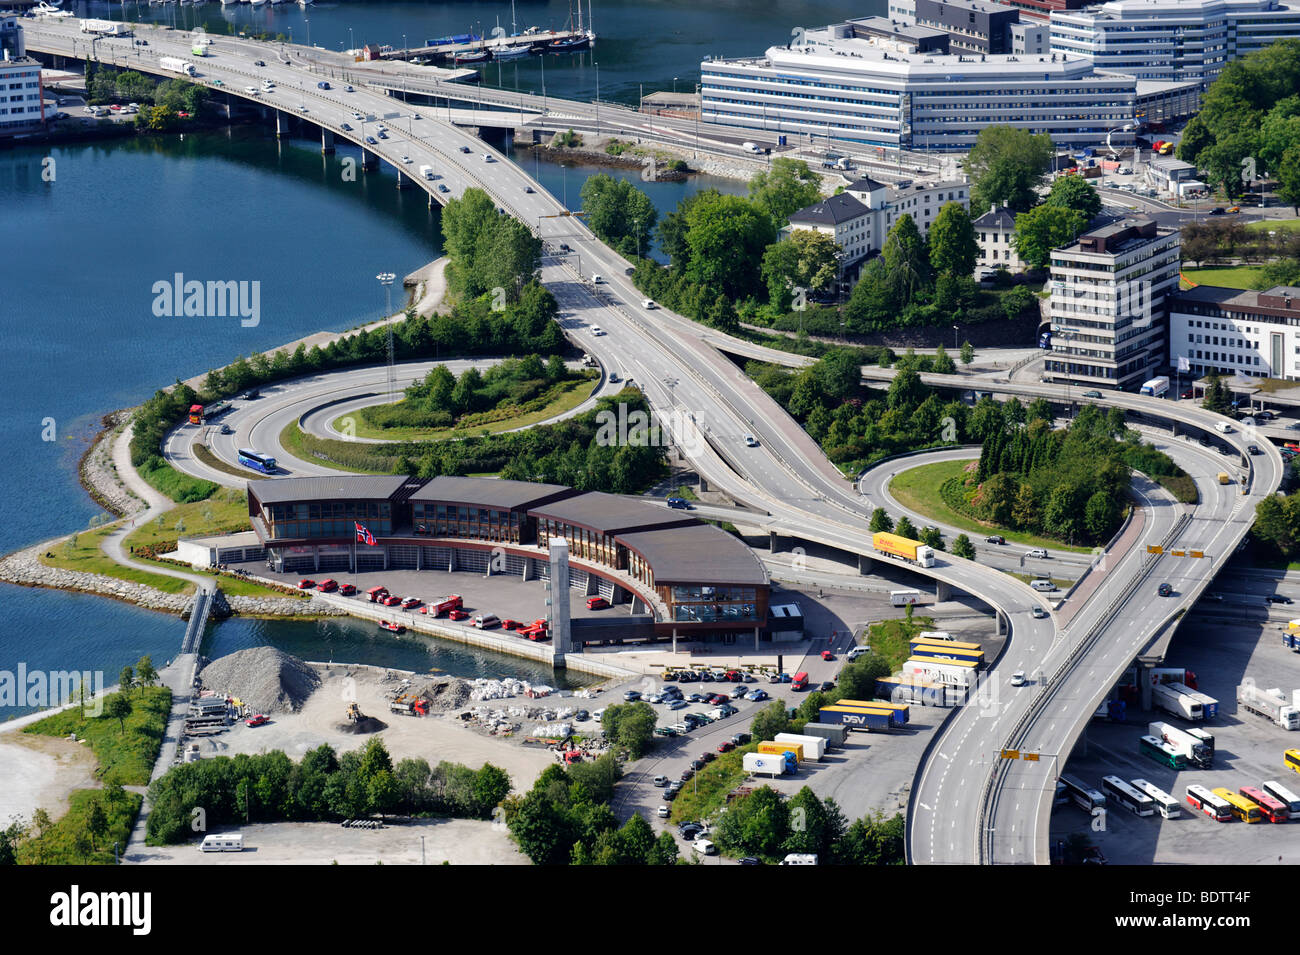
(640, 43)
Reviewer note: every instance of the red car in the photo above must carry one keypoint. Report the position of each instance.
(597, 603)
(347, 590)
(827, 655)
(391, 601)
(726, 747)
(306, 584)
(327, 585)
(258, 720)
(508, 624)
(458, 614)
(410, 603)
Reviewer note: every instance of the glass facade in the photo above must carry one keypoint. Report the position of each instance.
(461, 520)
(702, 604)
(583, 543)
(325, 519)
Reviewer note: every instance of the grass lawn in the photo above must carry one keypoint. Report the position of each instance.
(226, 510)
(1275, 225)
(126, 751)
(291, 439)
(83, 553)
(706, 792)
(892, 639)
(211, 460)
(1234, 276)
(574, 394)
(918, 489)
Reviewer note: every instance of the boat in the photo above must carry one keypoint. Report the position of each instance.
(392, 627)
(512, 52)
(582, 38)
(471, 56)
(258, 3)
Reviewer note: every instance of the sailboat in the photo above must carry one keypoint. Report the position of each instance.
(515, 50)
(303, 3)
(581, 41)
(258, 3)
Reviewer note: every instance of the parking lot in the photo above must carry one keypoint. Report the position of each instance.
(1248, 751)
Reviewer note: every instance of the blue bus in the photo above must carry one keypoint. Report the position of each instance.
(257, 461)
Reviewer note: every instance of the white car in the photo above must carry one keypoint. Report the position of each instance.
(487, 157)
(302, 108)
(1038, 613)
(358, 117)
(704, 847)
(406, 159)
(597, 330)
(1018, 678)
(348, 89)
(597, 715)
(751, 441)
(251, 89)
(663, 812)
(1037, 552)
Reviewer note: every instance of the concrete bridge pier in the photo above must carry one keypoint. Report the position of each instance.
(773, 542)
(942, 590)
(864, 565)
(279, 124)
(326, 141)
(403, 180)
(369, 161)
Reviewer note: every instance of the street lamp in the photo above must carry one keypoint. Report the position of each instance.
(699, 108)
(352, 42)
(954, 338)
(597, 66)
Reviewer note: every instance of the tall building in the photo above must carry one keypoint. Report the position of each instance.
(20, 80)
(1172, 39)
(844, 84)
(1242, 333)
(1110, 292)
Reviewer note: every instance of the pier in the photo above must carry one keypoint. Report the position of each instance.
(539, 41)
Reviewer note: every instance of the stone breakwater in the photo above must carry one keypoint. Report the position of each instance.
(25, 569)
(99, 474)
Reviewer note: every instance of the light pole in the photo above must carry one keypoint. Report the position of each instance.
(674, 84)
(954, 338)
(699, 108)
(352, 42)
(597, 66)
(637, 224)
(386, 280)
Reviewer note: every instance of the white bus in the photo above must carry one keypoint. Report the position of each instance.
(1138, 803)
(901, 598)
(1284, 796)
(1217, 808)
(1085, 797)
(1165, 804)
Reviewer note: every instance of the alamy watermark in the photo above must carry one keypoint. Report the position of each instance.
(46, 688)
(637, 429)
(179, 298)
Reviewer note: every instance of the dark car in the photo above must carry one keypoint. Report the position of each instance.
(259, 63)
(1253, 450)
(697, 764)
(582, 716)
(687, 773)
(226, 429)
(1092, 394)
(1187, 393)
(995, 539)
(1164, 590)
(1217, 211)
(828, 685)
(346, 127)
(1278, 599)
(372, 141)
(689, 827)
(708, 756)
(680, 503)
(1265, 415)
(740, 739)
(706, 676)
(750, 860)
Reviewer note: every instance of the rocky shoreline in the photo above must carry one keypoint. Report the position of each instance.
(98, 474)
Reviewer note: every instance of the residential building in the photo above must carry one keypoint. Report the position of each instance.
(867, 89)
(995, 232)
(1109, 302)
(1172, 39)
(859, 219)
(1231, 331)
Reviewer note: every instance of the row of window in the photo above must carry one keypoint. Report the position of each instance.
(346, 529)
(318, 510)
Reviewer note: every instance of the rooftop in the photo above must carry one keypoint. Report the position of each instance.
(697, 552)
(999, 217)
(831, 211)
(489, 492)
(610, 513)
(334, 487)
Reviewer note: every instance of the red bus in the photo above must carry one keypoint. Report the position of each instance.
(800, 681)
(1198, 797)
(1271, 809)
(196, 414)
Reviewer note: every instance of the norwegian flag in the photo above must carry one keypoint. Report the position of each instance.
(363, 534)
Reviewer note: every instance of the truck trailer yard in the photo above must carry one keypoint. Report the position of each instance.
(1248, 751)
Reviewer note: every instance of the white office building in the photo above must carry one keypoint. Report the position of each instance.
(1171, 39)
(859, 218)
(20, 81)
(1110, 292)
(1227, 330)
(1030, 38)
(846, 85)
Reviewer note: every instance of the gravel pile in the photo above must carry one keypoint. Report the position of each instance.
(367, 724)
(447, 694)
(267, 679)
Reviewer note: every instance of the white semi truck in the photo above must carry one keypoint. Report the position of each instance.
(105, 27)
(1270, 704)
(176, 65)
(1177, 699)
(1195, 751)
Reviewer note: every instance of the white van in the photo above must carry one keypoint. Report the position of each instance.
(486, 621)
(1223, 427)
(1042, 585)
(648, 303)
(800, 858)
(222, 842)
(704, 847)
(596, 279)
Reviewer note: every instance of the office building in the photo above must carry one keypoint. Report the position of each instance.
(20, 81)
(1109, 303)
(1231, 331)
(1172, 39)
(840, 85)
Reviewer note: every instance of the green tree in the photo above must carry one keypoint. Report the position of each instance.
(769, 721)
(145, 671)
(808, 821)
(807, 260)
(953, 249)
(1288, 177)
(1077, 193)
(962, 547)
(905, 528)
(118, 707)
(631, 727)
(906, 258)
(727, 236)
(788, 186)
(881, 521)
(943, 365)
(664, 851)
(931, 537)
(1006, 167)
(126, 680)
(1217, 398)
(1100, 515)
(967, 353)
(617, 211)
(1043, 229)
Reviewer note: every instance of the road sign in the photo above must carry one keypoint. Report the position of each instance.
(1030, 757)
(1011, 754)
(1155, 549)
(1198, 553)
(1178, 553)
